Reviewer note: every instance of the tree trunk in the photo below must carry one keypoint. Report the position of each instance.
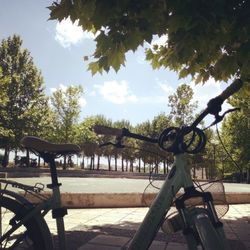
(6, 157)
(64, 162)
(139, 164)
(131, 166)
(122, 164)
(109, 163)
(98, 162)
(194, 171)
(92, 163)
(83, 162)
(27, 158)
(115, 163)
(207, 172)
(156, 167)
(240, 176)
(248, 176)
(15, 154)
(39, 162)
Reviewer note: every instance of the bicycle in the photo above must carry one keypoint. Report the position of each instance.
(200, 224)
(27, 228)
(22, 223)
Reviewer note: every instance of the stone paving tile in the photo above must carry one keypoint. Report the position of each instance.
(105, 242)
(121, 220)
(158, 245)
(247, 244)
(176, 246)
(98, 247)
(110, 240)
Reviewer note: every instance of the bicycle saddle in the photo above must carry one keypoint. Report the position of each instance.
(41, 146)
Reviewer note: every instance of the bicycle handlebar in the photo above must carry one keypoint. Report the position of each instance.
(105, 130)
(213, 107)
(231, 89)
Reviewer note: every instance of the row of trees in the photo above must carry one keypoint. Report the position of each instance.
(24, 107)
(26, 110)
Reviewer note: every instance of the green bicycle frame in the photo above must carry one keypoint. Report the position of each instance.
(178, 177)
(54, 202)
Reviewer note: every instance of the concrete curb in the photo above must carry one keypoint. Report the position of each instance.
(119, 200)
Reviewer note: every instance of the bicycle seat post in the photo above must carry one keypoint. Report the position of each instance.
(50, 159)
(58, 212)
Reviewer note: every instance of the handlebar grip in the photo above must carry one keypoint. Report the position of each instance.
(105, 130)
(231, 89)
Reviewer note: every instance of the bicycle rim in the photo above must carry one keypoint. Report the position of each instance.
(34, 234)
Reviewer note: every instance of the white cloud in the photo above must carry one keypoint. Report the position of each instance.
(61, 86)
(141, 59)
(153, 99)
(116, 92)
(160, 41)
(165, 87)
(158, 99)
(204, 92)
(82, 102)
(92, 93)
(68, 33)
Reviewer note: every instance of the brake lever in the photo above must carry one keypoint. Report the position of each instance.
(219, 118)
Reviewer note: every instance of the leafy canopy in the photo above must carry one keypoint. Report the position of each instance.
(66, 108)
(236, 129)
(182, 106)
(204, 38)
(22, 99)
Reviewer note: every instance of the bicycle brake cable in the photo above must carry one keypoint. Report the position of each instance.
(229, 155)
(219, 118)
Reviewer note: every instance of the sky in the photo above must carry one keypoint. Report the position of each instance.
(136, 92)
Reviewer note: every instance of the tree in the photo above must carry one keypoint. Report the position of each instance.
(23, 103)
(66, 108)
(204, 38)
(90, 141)
(159, 123)
(4, 132)
(236, 132)
(181, 105)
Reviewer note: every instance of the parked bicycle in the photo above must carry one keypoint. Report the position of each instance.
(22, 224)
(200, 223)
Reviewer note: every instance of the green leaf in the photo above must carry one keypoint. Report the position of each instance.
(94, 68)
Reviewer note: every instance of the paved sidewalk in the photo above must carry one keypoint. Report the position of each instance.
(112, 229)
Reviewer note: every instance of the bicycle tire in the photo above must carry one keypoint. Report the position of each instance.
(35, 231)
(209, 237)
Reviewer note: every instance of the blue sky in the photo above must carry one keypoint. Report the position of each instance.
(136, 93)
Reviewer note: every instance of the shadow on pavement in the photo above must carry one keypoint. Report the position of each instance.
(237, 232)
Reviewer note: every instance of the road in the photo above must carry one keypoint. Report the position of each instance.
(113, 185)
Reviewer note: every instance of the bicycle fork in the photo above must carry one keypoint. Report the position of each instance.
(188, 216)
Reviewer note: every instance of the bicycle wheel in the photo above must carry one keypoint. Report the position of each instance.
(33, 234)
(209, 237)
